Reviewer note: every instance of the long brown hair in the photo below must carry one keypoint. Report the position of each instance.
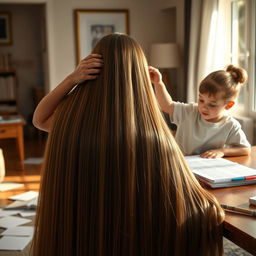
(114, 181)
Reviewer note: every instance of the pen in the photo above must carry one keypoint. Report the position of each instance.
(239, 210)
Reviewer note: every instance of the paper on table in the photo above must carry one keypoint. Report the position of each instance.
(11, 221)
(218, 169)
(9, 185)
(25, 196)
(19, 231)
(14, 243)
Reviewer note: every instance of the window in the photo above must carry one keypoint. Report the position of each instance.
(243, 42)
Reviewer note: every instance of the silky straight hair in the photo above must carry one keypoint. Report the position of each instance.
(114, 181)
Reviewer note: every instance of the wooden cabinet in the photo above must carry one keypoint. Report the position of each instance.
(8, 92)
(12, 127)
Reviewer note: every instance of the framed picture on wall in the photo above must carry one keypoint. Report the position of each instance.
(5, 28)
(92, 25)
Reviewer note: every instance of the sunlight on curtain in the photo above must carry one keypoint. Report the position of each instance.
(239, 52)
(213, 49)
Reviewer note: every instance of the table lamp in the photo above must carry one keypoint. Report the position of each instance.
(165, 56)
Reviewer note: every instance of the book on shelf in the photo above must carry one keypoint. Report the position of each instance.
(7, 109)
(220, 172)
(7, 88)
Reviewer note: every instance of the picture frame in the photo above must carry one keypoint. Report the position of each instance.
(92, 24)
(5, 28)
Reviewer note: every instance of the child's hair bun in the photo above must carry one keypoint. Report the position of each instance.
(239, 74)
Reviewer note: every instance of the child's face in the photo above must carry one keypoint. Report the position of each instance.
(212, 108)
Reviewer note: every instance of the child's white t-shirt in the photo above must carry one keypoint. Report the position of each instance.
(195, 135)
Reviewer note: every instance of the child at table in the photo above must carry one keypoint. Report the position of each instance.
(204, 128)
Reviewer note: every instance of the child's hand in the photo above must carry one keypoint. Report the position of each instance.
(87, 69)
(155, 75)
(213, 153)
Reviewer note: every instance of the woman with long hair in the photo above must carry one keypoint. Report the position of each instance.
(114, 181)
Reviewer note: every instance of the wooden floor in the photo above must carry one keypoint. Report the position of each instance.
(30, 176)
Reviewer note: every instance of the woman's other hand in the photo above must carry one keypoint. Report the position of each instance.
(87, 69)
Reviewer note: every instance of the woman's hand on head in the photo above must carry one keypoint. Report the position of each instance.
(87, 69)
(155, 75)
(213, 153)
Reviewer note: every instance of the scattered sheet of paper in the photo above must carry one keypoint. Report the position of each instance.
(4, 212)
(21, 212)
(31, 204)
(27, 213)
(25, 196)
(14, 243)
(19, 231)
(33, 160)
(11, 221)
(9, 185)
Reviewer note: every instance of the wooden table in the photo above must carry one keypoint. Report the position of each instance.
(12, 127)
(239, 229)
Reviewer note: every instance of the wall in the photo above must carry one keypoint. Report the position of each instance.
(177, 74)
(26, 51)
(150, 22)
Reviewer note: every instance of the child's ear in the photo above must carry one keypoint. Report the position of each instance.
(229, 105)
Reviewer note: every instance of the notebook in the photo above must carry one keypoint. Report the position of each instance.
(220, 172)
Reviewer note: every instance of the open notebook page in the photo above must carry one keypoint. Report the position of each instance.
(219, 169)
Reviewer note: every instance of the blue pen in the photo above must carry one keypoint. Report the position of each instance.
(238, 178)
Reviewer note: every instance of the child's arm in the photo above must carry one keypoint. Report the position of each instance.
(87, 69)
(234, 151)
(163, 97)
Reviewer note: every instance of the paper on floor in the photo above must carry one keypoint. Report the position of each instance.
(19, 231)
(25, 196)
(9, 185)
(31, 204)
(27, 213)
(14, 243)
(11, 221)
(22, 212)
(4, 212)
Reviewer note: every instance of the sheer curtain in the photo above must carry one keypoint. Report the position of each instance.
(209, 47)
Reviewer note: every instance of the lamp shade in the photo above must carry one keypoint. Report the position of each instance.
(165, 55)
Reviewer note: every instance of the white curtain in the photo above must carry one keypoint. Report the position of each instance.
(209, 48)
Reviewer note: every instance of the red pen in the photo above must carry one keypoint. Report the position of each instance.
(250, 178)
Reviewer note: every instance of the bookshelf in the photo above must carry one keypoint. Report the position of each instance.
(8, 92)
